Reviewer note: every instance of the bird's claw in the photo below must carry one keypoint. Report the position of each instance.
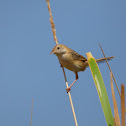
(61, 65)
(68, 89)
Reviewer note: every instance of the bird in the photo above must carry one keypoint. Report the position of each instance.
(72, 61)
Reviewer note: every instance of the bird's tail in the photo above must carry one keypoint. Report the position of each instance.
(103, 59)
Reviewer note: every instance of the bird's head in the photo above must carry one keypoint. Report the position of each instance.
(59, 49)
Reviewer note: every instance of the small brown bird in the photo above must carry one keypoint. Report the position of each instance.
(71, 60)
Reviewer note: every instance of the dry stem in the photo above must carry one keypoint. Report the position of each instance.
(31, 112)
(56, 41)
(110, 70)
(116, 113)
(52, 23)
(123, 104)
(70, 98)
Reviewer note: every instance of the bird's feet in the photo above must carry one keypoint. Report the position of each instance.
(60, 65)
(68, 89)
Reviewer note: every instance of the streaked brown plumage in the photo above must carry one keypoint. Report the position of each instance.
(72, 60)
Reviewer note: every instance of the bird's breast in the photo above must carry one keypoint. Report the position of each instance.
(73, 65)
(66, 62)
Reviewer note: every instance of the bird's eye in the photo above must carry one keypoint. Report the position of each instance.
(58, 47)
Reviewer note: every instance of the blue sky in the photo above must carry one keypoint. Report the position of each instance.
(28, 70)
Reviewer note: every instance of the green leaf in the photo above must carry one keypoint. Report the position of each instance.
(101, 89)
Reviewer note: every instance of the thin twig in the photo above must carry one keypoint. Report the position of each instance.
(56, 41)
(31, 112)
(110, 70)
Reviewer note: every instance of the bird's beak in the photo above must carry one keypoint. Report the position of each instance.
(52, 52)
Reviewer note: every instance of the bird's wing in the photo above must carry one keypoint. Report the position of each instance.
(77, 56)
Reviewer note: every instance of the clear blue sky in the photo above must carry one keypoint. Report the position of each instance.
(28, 70)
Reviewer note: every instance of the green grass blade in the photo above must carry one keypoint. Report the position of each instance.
(101, 89)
